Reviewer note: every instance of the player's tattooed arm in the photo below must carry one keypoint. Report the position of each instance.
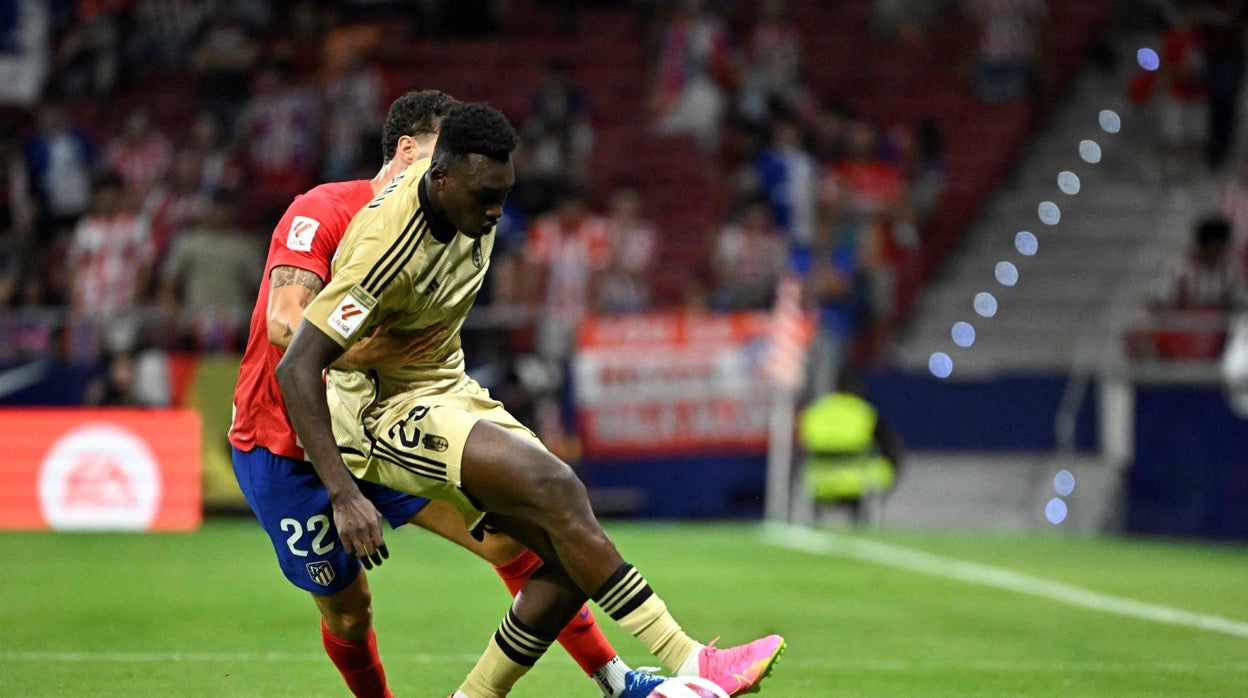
(291, 289)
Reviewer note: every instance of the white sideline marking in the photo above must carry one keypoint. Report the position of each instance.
(889, 555)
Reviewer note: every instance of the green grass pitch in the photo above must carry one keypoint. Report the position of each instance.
(886, 614)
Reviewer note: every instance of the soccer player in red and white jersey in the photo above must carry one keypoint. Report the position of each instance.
(282, 487)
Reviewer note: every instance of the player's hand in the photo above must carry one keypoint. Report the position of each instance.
(359, 528)
(383, 350)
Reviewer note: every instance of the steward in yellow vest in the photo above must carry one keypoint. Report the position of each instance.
(851, 454)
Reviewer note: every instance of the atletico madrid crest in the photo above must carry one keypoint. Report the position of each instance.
(321, 572)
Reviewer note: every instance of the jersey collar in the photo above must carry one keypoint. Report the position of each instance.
(443, 230)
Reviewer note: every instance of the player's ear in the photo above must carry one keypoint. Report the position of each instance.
(407, 147)
(437, 174)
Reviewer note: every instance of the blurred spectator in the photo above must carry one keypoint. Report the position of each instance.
(280, 126)
(161, 33)
(1197, 289)
(789, 177)
(301, 42)
(210, 278)
(346, 34)
(740, 144)
(132, 379)
(141, 153)
(1222, 35)
(907, 20)
(557, 132)
(1206, 276)
(1009, 44)
(10, 275)
(115, 387)
(504, 290)
(17, 216)
(834, 284)
(694, 72)
(749, 256)
(219, 164)
(355, 97)
(12, 269)
(567, 250)
(25, 51)
(1233, 205)
(88, 56)
(927, 167)
(177, 202)
(224, 56)
(110, 260)
(771, 77)
(873, 196)
(1182, 98)
(26, 324)
(625, 283)
(827, 132)
(61, 159)
(871, 185)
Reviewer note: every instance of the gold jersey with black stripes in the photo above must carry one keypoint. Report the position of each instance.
(406, 428)
(397, 258)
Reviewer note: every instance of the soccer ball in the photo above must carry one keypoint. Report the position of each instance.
(687, 687)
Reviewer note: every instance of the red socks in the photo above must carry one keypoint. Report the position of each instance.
(582, 638)
(358, 662)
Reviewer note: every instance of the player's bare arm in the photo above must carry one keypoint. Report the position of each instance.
(291, 289)
(299, 375)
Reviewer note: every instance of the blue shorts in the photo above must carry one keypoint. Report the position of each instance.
(293, 507)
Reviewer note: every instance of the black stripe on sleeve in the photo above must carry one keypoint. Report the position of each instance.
(395, 258)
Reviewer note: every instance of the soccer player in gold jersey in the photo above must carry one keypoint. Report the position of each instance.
(414, 258)
(289, 500)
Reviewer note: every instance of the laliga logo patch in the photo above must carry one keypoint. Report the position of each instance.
(321, 572)
(302, 232)
(102, 477)
(351, 312)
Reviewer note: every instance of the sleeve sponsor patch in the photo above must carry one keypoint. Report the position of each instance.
(302, 232)
(351, 312)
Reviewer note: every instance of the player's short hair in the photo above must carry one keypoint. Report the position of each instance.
(474, 127)
(419, 112)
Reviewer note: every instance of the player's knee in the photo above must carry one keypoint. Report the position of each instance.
(348, 613)
(566, 512)
(562, 492)
(349, 624)
(539, 480)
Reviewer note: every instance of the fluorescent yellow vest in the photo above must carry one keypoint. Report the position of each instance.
(838, 432)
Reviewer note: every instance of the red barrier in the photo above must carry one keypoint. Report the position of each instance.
(100, 469)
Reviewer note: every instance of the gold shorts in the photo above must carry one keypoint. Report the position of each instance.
(414, 442)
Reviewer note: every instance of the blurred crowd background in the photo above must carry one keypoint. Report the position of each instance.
(674, 155)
